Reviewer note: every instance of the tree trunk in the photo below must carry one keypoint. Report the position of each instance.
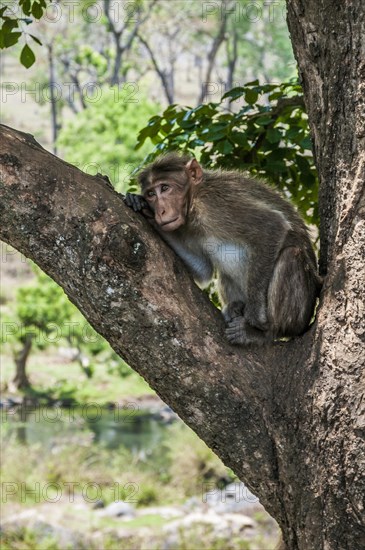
(289, 418)
(328, 512)
(213, 52)
(20, 380)
(167, 80)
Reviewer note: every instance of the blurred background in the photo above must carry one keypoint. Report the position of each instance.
(91, 458)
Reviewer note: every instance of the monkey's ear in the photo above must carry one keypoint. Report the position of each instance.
(195, 171)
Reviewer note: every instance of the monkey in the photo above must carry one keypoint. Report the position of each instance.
(237, 228)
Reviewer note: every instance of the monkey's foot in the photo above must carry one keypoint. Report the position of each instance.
(233, 310)
(238, 331)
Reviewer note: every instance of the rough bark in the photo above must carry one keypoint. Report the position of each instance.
(329, 43)
(287, 419)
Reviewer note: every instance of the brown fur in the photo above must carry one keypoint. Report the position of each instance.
(246, 233)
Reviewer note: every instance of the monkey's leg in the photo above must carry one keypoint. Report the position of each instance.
(233, 310)
(238, 330)
(292, 293)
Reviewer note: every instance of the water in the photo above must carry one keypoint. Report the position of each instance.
(127, 426)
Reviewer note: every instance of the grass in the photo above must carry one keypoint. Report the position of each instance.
(51, 375)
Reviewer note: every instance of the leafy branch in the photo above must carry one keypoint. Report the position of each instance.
(12, 27)
(262, 129)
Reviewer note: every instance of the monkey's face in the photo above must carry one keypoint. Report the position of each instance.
(169, 191)
(169, 202)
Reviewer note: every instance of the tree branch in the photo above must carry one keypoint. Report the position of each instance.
(136, 292)
(160, 72)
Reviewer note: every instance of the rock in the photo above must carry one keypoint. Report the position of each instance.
(228, 524)
(98, 504)
(208, 526)
(193, 503)
(234, 498)
(118, 509)
(166, 512)
(42, 530)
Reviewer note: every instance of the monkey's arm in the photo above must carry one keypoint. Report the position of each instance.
(198, 263)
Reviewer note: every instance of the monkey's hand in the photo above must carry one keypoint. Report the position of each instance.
(139, 204)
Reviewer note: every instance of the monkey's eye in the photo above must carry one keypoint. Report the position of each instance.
(150, 194)
(164, 187)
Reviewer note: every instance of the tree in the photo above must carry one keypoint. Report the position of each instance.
(43, 316)
(287, 418)
(41, 308)
(96, 141)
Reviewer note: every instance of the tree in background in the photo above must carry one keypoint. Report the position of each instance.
(198, 43)
(103, 137)
(45, 317)
(41, 309)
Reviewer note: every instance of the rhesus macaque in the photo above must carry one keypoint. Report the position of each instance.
(239, 229)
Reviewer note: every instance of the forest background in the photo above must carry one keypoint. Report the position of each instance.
(107, 86)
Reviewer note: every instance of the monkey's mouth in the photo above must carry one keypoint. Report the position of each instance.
(165, 224)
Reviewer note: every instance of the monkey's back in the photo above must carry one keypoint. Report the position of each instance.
(244, 207)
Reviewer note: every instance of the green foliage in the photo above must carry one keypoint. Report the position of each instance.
(102, 138)
(87, 57)
(13, 27)
(262, 41)
(41, 310)
(262, 129)
(44, 312)
(193, 462)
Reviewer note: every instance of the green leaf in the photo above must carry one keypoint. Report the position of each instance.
(36, 39)
(234, 93)
(303, 164)
(27, 57)
(9, 39)
(37, 10)
(9, 25)
(251, 96)
(275, 95)
(273, 135)
(306, 143)
(263, 120)
(240, 139)
(276, 166)
(224, 147)
(26, 6)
